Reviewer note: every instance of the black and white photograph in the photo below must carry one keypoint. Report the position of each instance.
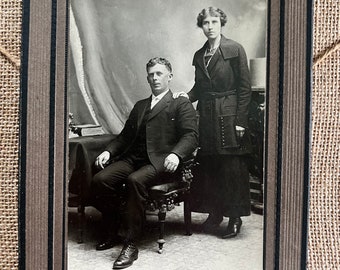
(164, 134)
(166, 107)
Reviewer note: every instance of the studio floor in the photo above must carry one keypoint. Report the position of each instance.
(181, 252)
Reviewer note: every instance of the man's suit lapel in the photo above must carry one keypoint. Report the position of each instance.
(161, 105)
(141, 111)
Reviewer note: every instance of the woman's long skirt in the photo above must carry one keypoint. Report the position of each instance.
(221, 186)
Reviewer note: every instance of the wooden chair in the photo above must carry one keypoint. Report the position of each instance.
(164, 198)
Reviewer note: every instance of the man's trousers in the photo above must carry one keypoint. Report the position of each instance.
(125, 181)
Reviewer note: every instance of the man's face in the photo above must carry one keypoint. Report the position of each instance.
(159, 78)
(211, 27)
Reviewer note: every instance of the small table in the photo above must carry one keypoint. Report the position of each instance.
(82, 154)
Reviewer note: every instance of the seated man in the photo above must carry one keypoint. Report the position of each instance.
(159, 133)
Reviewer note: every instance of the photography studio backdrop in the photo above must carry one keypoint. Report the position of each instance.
(111, 42)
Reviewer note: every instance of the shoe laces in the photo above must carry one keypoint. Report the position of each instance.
(126, 250)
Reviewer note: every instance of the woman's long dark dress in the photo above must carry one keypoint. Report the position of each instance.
(223, 92)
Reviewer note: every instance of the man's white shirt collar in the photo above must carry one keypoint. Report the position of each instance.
(156, 99)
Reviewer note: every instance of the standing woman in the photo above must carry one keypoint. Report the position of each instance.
(222, 88)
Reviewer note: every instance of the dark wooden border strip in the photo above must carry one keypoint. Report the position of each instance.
(52, 136)
(42, 136)
(271, 138)
(295, 112)
(61, 134)
(23, 136)
(36, 134)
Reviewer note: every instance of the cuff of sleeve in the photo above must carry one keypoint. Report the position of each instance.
(241, 123)
(179, 157)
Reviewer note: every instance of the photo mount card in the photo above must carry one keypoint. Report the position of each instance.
(44, 142)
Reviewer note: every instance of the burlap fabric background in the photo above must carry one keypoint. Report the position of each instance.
(324, 211)
(10, 37)
(324, 227)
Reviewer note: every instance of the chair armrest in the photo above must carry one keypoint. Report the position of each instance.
(187, 165)
(190, 161)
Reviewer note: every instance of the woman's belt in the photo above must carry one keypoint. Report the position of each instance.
(212, 95)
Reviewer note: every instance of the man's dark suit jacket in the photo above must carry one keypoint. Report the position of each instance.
(170, 128)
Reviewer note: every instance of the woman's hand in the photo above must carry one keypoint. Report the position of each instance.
(102, 159)
(240, 131)
(180, 94)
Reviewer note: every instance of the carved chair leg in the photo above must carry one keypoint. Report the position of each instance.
(187, 216)
(161, 221)
(81, 219)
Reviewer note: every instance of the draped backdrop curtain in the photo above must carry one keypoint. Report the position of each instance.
(110, 42)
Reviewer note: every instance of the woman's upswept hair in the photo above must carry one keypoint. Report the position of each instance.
(159, 60)
(212, 11)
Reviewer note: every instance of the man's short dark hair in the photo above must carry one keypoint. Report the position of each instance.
(158, 60)
(212, 11)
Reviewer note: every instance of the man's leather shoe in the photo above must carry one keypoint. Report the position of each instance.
(212, 222)
(233, 228)
(126, 257)
(107, 244)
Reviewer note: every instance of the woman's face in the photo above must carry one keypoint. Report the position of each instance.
(211, 27)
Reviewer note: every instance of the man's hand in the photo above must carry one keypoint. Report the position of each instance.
(171, 163)
(180, 94)
(102, 159)
(239, 131)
